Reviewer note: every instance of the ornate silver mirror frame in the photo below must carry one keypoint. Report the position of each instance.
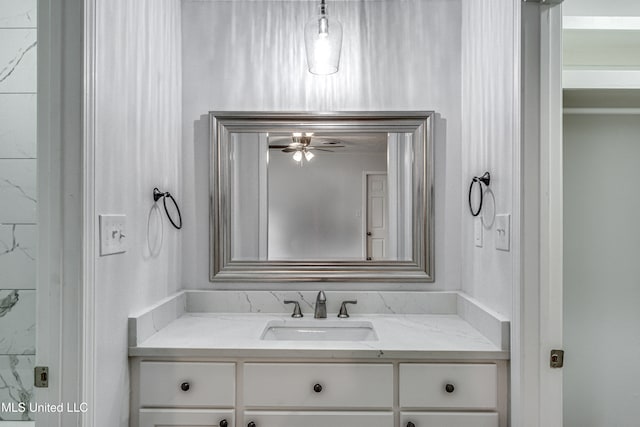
(419, 126)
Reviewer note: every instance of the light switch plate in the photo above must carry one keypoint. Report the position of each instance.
(503, 232)
(113, 232)
(477, 232)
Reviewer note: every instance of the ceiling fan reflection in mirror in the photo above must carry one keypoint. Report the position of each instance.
(300, 145)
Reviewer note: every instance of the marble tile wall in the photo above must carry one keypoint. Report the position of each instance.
(18, 229)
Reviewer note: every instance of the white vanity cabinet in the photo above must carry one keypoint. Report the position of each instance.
(321, 393)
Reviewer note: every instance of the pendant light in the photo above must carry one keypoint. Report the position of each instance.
(323, 41)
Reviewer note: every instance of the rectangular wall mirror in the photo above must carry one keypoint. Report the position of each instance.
(322, 196)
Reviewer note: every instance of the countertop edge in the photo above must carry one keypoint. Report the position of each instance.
(450, 355)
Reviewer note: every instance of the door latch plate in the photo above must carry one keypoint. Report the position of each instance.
(41, 376)
(557, 358)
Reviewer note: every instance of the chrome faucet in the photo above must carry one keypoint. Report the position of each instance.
(321, 306)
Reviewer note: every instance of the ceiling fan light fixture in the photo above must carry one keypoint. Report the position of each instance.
(297, 156)
(308, 155)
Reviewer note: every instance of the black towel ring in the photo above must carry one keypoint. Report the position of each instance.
(157, 195)
(484, 179)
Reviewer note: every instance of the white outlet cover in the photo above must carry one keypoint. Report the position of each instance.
(113, 234)
(503, 232)
(477, 232)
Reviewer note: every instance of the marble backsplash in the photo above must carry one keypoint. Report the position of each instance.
(18, 229)
(383, 302)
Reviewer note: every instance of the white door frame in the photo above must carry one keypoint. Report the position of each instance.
(90, 231)
(365, 209)
(66, 225)
(536, 389)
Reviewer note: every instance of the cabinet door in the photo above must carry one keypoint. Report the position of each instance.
(185, 418)
(448, 419)
(317, 419)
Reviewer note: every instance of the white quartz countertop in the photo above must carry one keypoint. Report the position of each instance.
(400, 336)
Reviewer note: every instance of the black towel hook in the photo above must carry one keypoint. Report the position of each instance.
(157, 195)
(484, 179)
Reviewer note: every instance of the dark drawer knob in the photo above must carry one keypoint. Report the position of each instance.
(185, 386)
(410, 424)
(224, 423)
(449, 388)
(251, 424)
(317, 388)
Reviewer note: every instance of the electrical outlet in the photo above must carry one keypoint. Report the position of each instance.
(112, 234)
(477, 232)
(503, 232)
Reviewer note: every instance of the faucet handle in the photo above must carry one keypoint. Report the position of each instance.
(296, 309)
(343, 308)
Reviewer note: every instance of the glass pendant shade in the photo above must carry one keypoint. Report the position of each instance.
(308, 155)
(297, 156)
(323, 42)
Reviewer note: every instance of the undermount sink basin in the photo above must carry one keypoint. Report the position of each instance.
(319, 330)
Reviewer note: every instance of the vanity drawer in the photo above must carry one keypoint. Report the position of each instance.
(318, 419)
(449, 419)
(187, 384)
(318, 385)
(440, 386)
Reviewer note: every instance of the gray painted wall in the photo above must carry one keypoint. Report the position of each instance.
(601, 270)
